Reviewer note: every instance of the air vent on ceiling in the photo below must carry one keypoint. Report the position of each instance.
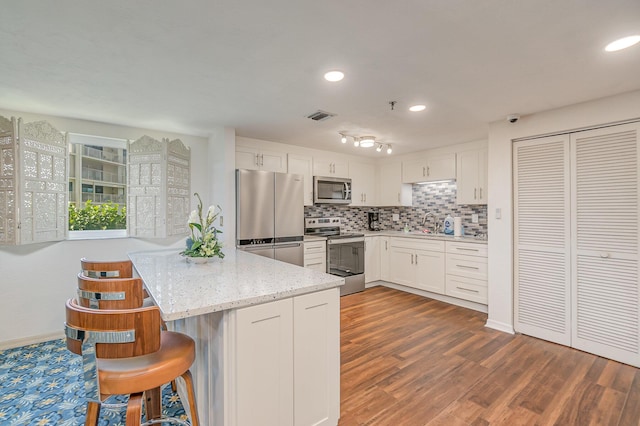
(320, 115)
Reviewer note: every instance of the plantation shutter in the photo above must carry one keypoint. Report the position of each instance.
(605, 249)
(541, 238)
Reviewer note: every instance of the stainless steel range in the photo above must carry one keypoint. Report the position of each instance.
(345, 251)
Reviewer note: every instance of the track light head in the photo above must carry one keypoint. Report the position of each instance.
(389, 149)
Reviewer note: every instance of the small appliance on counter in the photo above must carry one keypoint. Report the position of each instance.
(373, 219)
(345, 251)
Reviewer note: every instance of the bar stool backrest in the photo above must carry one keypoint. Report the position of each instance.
(110, 293)
(108, 269)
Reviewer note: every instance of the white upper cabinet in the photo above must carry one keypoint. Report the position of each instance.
(303, 165)
(472, 177)
(258, 159)
(363, 184)
(330, 167)
(432, 168)
(391, 190)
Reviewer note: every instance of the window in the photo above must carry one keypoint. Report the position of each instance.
(97, 186)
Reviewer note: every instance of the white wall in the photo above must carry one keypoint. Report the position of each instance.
(36, 280)
(603, 111)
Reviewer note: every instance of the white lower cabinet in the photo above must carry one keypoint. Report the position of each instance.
(287, 362)
(371, 259)
(315, 255)
(467, 271)
(417, 263)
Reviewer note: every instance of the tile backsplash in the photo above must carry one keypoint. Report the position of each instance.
(438, 198)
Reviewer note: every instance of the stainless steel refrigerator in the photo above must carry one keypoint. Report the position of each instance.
(270, 214)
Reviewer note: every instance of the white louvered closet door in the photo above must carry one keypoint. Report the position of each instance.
(541, 238)
(605, 248)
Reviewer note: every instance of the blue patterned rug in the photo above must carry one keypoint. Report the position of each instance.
(42, 385)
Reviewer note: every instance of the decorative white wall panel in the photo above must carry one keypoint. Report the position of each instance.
(33, 182)
(159, 187)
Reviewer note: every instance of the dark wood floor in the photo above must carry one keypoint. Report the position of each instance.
(407, 360)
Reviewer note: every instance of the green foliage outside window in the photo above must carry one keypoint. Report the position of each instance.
(97, 217)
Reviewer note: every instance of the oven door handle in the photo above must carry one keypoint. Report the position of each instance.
(346, 240)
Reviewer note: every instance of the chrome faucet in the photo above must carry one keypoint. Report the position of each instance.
(436, 223)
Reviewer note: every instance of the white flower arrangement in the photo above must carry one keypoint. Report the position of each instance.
(204, 235)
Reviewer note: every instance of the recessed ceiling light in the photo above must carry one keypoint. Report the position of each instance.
(334, 76)
(417, 108)
(622, 43)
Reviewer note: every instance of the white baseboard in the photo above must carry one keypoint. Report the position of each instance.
(500, 326)
(441, 297)
(10, 344)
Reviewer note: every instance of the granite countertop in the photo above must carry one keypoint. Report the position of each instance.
(427, 236)
(241, 279)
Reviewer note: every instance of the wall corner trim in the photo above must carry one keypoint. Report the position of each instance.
(500, 326)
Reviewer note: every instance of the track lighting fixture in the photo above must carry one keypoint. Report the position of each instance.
(365, 142)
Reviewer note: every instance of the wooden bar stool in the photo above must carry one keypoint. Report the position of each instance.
(124, 352)
(106, 269)
(111, 293)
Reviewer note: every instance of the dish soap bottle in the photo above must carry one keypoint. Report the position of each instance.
(448, 225)
(406, 227)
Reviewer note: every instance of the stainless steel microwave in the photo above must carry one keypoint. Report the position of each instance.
(330, 190)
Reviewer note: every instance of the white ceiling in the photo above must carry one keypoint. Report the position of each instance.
(257, 66)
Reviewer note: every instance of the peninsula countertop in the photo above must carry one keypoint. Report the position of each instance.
(241, 279)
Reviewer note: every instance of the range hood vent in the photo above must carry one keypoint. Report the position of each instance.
(320, 115)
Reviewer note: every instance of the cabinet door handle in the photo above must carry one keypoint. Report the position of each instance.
(481, 193)
(416, 259)
(467, 289)
(365, 197)
(475, 193)
(423, 172)
(412, 259)
(605, 255)
(466, 249)
(398, 197)
(314, 264)
(428, 171)
(257, 159)
(386, 247)
(467, 267)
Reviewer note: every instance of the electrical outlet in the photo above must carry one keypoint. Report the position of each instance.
(396, 217)
(498, 213)
(474, 218)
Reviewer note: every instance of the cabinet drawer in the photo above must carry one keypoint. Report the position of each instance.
(467, 266)
(466, 288)
(469, 249)
(417, 244)
(315, 247)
